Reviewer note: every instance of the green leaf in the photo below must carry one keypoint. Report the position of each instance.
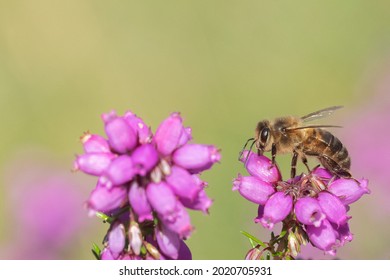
(253, 239)
(96, 251)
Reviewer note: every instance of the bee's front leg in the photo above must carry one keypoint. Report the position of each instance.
(273, 153)
(294, 164)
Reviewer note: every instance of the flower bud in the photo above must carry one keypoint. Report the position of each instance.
(276, 209)
(253, 189)
(196, 157)
(261, 167)
(308, 211)
(116, 239)
(135, 238)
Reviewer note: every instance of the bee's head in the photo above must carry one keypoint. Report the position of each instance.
(263, 136)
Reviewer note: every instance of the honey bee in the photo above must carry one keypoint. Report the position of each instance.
(291, 135)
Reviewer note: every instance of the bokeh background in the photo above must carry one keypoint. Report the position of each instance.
(224, 65)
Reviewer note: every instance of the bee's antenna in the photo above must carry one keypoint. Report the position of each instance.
(246, 144)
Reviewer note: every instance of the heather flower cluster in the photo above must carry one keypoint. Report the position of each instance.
(312, 207)
(145, 185)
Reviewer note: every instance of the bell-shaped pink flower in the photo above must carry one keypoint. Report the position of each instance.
(182, 183)
(168, 241)
(349, 190)
(201, 202)
(343, 233)
(276, 209)
(334, 210)
(139, 202)
(105, 200)
(196, 157)
(253, 189)
(261, 167)
(120, 171)
(94, 143)
(322, 237)
(144, 157)
(137, 124)
(308, 211)
(181, 224)
(121, 137)
(163, 200)
(93, 163)
(168, 134)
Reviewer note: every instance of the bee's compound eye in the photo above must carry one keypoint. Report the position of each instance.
(264, 135)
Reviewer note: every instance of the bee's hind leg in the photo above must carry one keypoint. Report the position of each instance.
(304, 160)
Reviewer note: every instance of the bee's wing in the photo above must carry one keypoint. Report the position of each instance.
(312, 126)
(320, 114)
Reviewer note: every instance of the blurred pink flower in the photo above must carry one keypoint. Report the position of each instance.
(44, 207)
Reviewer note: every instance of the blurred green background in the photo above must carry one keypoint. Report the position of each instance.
(223, 64)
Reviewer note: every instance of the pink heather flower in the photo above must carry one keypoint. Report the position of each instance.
(196, 157)
(43, 209)
(139, 202)
(120, 171)
(276, 209)
(201, 202)
(143, 193)
(93, 163)
(313, 205)
(94, 144)
(121, 137)
(253, 189)
(105, 200)
(168, 241)
(308, 211)
(168, 134)
(116, 239)
(323, 237)
(334, 210)
(145, 157)
(183, 184)
(349, 191)
(162, 199)
(261, 167)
